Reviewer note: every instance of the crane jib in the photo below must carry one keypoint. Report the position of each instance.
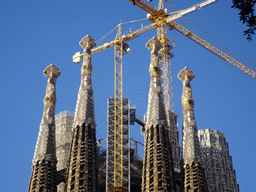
(197, 39)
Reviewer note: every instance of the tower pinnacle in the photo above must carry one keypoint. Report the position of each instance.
(191, 147)
(157, 174)
(156, 110)
(43, 177)
(82, 173)
(85, 104)
(194, 175)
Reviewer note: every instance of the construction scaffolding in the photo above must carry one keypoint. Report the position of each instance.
(110, 161)
(217, 161)
(174, 139)
(63, 132)
(135, 166)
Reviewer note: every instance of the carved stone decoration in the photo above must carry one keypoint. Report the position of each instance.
(194, 175)
(43, 177)
(82, 171)
(156, 109)
(84, 112)
(157, 174)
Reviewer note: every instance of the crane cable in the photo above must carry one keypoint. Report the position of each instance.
(107, 34)
(206, 33)
(111, 31)
(134, 21)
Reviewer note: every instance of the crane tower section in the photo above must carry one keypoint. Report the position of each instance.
(119, 175)
(116, 154)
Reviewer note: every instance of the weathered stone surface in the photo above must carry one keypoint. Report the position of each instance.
(157, 174)
(82, 172)
(43, 176)
(194, 176)
(217, 161)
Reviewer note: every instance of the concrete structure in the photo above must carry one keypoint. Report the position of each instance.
(63, 122)
(82, 174)
(157, 174)
(43, 176)
(194, 176)
(217, 161)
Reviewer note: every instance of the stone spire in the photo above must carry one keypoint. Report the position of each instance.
(156, 109)
(194, 175)
(158, 171)
(85, 104)
(82, 173)
(43, 177)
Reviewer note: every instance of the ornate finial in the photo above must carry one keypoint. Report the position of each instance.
(87, 43)
(154, 46)
(52, 71)
(187, 75)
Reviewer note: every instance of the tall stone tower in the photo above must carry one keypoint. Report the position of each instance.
(82, 174)
(194, 176)
(43, 176)
(157, 174)
(217, 161)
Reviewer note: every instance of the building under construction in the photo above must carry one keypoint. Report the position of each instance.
(69, 158)
(217, 161)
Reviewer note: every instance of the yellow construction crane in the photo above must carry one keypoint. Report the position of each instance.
(160, 19)
(165, 64)
(118, 115)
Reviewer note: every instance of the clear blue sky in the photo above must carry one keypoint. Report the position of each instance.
(36, 33)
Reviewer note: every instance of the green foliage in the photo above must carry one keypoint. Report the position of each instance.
(246, 15)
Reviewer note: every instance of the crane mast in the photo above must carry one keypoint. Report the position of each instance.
(120, 175)
(165, 64)
(118, 118)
